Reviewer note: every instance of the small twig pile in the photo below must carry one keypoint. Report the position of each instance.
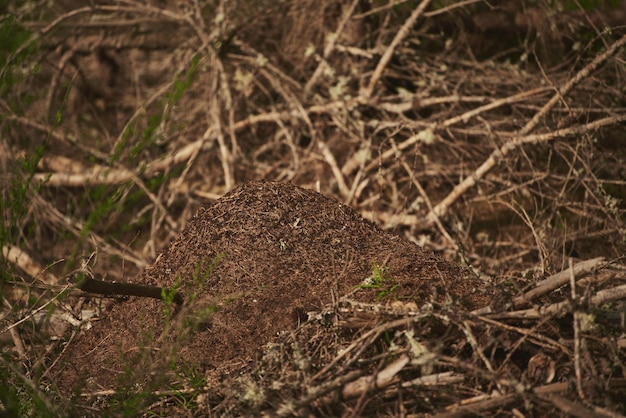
(365, 360)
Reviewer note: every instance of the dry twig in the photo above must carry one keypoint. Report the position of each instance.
(523, 137)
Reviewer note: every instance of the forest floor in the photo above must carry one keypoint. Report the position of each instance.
(346, 208)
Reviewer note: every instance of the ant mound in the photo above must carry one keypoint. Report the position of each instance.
(251, 265)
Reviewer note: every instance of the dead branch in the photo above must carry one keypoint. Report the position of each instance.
(500, 153)
(330, 46)
(379, 380)
(26, 263)
(603, 296)
(559, 279)
(496, 156)
(366, 93)
(332, 162)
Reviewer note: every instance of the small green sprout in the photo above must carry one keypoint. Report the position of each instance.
(381, 281)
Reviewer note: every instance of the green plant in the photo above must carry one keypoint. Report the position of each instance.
(17, 189)
(381, 281)
(168, 295)
(15, 47)
(20, 396)
(158, 350)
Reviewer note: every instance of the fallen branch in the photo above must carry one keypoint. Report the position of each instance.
(557, 280)
(603, 296)
(101, 287)
(332, 162)
(330, 46)
(26, 263)
(522, 138)
(384, 60)
(462, 118)
(497, 155)
(379, 380)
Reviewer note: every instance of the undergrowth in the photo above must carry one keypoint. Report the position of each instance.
(503, 145)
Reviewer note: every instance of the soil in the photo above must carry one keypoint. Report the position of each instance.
(253, 264)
